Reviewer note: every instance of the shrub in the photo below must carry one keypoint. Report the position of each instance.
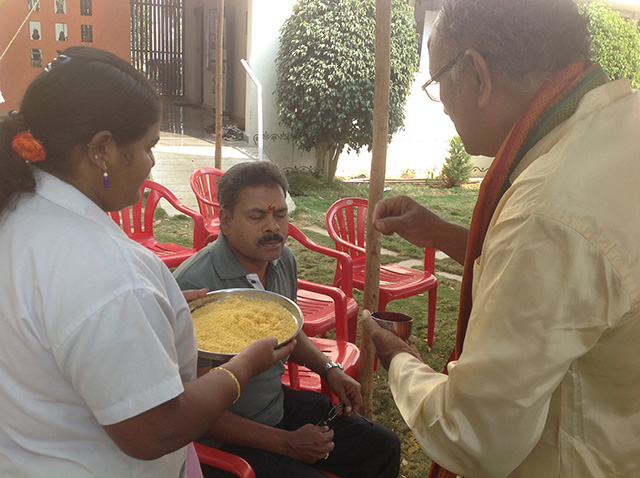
(457, 167)
(615, 42)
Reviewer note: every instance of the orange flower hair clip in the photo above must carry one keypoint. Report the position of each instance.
(28, 148)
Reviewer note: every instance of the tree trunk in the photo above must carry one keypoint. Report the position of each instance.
(321, 154)
(333, 164)
(327, 161)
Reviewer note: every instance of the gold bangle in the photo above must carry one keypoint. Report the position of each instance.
(235, 379)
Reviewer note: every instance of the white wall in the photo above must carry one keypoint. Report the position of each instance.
(265, 20)
(253, 29)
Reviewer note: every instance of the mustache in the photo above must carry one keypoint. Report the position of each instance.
(271, 238)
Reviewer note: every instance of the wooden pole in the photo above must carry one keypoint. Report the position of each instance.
(376, 189)
(219, 73)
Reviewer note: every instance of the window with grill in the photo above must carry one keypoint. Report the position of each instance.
(35, 29)
(86, 33)
(36, 57)
(61, 6)
(85, 7)
(61, 32)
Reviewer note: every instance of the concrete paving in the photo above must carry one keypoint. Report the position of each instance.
(186, 144)
(178, 155)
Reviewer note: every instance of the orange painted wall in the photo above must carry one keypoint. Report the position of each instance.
(111, 31)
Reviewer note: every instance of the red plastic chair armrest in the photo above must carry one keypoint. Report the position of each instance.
(224, 461)
(345, 261)
(199, 231)
(340, 300)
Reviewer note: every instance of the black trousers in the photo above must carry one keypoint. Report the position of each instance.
(363, 449)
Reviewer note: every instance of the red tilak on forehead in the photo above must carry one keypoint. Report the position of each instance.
(272, 207)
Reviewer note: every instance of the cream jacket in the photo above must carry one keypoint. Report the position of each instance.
(548, 384)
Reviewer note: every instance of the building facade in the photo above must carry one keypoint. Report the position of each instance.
(33, 31)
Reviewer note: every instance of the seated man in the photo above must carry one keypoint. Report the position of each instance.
(274, 427)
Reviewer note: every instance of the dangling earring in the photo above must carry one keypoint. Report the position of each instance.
(105, 176)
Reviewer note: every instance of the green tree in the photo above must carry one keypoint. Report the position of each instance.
(325, 75)
(457, 166)
(615, 42)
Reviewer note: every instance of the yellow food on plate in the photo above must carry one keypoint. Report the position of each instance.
(229, 325)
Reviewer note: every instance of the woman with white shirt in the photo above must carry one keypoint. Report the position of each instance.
(97, 351)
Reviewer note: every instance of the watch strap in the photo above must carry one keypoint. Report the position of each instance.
(328, 366)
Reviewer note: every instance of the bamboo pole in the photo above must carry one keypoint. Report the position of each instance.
(376, 188)
(219, 73)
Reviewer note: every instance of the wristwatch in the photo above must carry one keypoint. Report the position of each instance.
(328, 366)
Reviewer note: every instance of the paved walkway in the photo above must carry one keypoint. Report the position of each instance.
(178, 155)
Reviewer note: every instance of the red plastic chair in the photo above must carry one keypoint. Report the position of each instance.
(137, 222)
(204, 183)
(318, 305)
(345, 221)
(231, 463)
(338, 350)
(299, 377)
(223, 460)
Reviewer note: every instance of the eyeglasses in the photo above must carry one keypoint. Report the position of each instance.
(334, 413)
(432, 87)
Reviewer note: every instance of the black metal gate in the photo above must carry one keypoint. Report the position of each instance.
(157, 43)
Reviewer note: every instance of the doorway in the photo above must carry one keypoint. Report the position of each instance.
(157, 43)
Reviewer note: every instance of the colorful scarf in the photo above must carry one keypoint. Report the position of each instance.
(554, 103)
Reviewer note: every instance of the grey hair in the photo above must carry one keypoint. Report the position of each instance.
(250, 174)
(516, 37)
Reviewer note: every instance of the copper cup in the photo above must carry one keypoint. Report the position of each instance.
(399, 324)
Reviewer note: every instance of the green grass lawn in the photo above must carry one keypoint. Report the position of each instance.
(313, 197)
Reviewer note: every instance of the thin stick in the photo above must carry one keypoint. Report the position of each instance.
(219, 72)
(376, 187)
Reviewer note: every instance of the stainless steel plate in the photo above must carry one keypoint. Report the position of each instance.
(252, 294)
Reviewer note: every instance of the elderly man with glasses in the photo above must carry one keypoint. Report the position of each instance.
(545, 378)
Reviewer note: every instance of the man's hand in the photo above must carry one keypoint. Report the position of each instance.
(420, 226)
(309, 443)
(346, 389)
(408, 218)
(387, 344)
